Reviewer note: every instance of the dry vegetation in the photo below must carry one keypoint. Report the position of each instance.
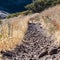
(13, 29)
(12, 32)
(50, 20)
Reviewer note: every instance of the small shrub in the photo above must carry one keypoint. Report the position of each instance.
(19, 13)
(40, 5)
(12, 15)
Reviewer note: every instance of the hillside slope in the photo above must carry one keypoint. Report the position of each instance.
(42, 38)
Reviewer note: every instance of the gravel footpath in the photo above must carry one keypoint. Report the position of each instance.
(35, 46)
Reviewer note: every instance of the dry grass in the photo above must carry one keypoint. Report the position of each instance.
(52, 23)
(53, 27)
(18, 27)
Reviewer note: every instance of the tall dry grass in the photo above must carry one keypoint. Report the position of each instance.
(52, 23)
(18, 28)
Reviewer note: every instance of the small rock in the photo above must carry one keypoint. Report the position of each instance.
(7, 54)
(52, 51)
(43, 53)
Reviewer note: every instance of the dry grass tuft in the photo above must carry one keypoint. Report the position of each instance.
(13, 31)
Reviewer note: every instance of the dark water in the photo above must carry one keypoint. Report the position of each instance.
(12, 6)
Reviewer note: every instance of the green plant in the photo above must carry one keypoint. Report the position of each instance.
(13, 15)
(19, 13)
(40, 5)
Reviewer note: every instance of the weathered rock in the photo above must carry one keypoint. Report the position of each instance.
(52, 51)
(43, 53)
